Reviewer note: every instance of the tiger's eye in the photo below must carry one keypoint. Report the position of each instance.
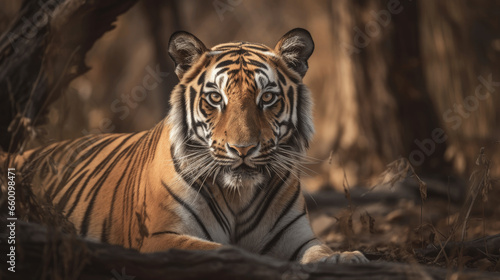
(215, 97)
(267, 97)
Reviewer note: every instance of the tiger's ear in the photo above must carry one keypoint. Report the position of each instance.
(295, 47)
(184, 49)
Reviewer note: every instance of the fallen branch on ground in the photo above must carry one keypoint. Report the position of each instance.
(487, 247)
(42, 252)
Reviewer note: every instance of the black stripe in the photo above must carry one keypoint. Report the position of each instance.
(103, 163)
(277, 237)
(289, 205)
(183, 112)
(272, 187)
(83, 187)
(202, 111)
(135, 179)
(192, 98)
(61, 204)
(137, 161)
(211, 85)
(153, 144)
(291, 99)
(282, 103)
(115, 191)
(252, 201)
(40, 154)
(223, 55)
(221, 71)
(197, 70)
(233, 72)
(218, 209)
(257, 48)
(177, 164)
(225, 200)
(295, 81)
(91, 154)
(226, 63)
(88, 212)
(214, 208)
(257, 71)
(36, 157)
(281, 78)
(240, 50)
(297, 251)
(100, 182)
(201, 79)
(104, 233)
(164, 232)
(77, 198)
(190, 210)
(257, 63)
(52, 190)
(261, 56)
(263, 207)
(67, 178)
(301, 124)
(73, 149)
(222, 220)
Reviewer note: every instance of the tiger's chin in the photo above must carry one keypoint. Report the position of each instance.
(241, 179)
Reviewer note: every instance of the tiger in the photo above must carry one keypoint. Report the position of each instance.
(221, 169)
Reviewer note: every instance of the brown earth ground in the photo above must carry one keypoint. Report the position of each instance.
(411, 220)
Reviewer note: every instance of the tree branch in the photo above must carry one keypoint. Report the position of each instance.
(44, 252)
(42, 51)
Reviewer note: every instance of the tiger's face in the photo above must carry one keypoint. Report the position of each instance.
(241, 108)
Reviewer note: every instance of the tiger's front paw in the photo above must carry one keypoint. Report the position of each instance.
(345, 257)
(321, 253)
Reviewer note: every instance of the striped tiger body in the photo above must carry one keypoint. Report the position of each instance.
(221, 169)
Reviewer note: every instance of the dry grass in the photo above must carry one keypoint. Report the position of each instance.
(437, 233)
(64, 257)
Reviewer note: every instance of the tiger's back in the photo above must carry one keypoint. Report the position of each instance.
(98, 181)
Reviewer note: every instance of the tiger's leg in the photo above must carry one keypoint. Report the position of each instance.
(171, 240)
(296, 241)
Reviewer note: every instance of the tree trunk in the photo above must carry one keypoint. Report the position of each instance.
(460, 51)
(41, 52)
(376, 87)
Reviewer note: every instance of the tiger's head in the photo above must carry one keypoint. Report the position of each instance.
(240, 112)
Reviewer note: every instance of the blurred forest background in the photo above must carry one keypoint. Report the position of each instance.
(391, 80)
(384, 76)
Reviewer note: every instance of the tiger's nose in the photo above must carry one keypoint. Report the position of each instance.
(242, 150)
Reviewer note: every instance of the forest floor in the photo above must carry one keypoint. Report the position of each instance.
(409, 222)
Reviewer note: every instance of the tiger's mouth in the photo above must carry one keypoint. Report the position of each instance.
(244, 169)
